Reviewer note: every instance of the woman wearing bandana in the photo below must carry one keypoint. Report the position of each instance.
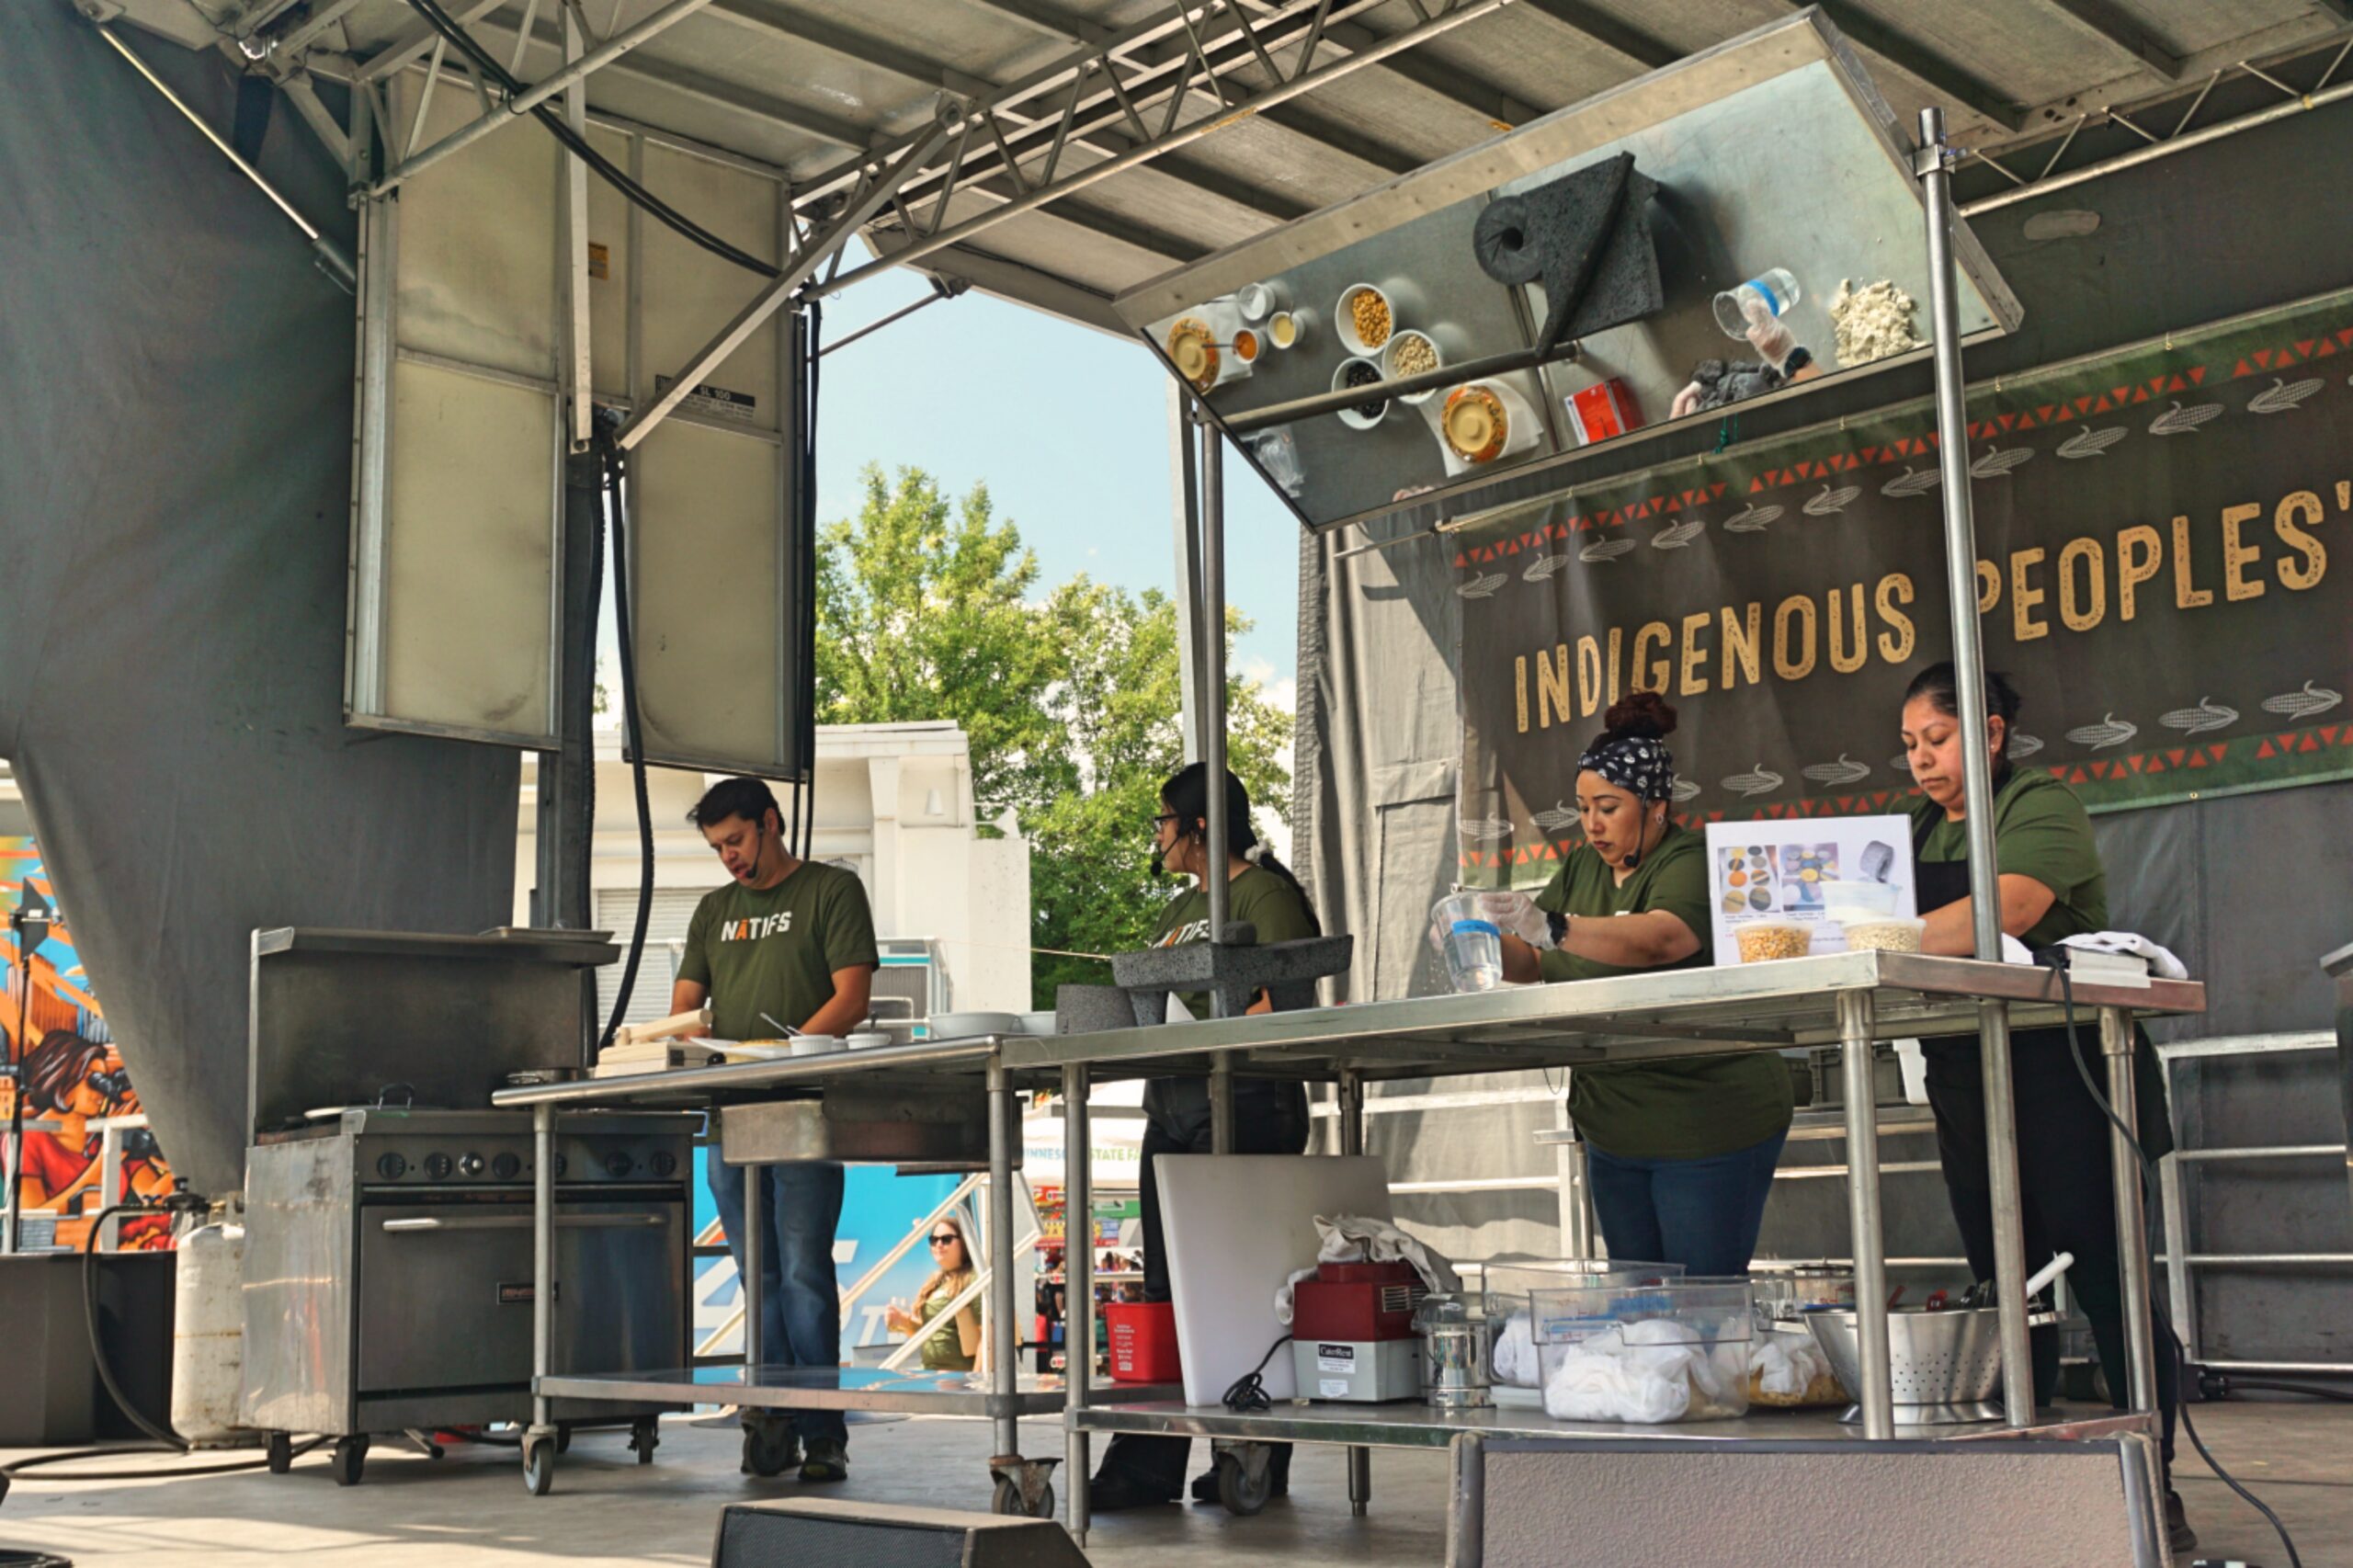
(1681, 1153)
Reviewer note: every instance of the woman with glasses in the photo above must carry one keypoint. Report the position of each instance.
(1268, 1117)
(953, 1345)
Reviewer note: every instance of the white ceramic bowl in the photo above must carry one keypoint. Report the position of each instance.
(1038, 1023)
(816, 1044)
(1343, 321)
(962, 1026)
(1259, 300)
(1389, 369)
(869, 1040)
(1303, 328)
(1349, 416)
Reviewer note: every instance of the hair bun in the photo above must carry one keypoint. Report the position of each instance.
(1639, 715)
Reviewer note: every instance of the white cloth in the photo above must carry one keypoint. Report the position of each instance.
(2162, 961)
(1514, 1362)
(1605, 1377)
(1353, 1238)
(1787, 1364)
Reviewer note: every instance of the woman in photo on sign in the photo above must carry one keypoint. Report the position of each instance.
(1681, 1154)
(2052, 886)
(1270, 1118)
(951, 1344)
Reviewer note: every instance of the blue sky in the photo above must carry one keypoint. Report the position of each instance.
(1070, 428)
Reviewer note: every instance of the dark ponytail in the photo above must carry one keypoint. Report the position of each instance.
(1187, 797)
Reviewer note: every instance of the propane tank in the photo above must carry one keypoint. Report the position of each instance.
(208, 1333)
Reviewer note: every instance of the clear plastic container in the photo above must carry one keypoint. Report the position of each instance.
(1770, 293)
(1887, 934)
(1645, 1353)
(1762, 941)
(1474, 944)
(1843, 901)
(1504, 1289)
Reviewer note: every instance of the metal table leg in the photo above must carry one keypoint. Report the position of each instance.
(1078, 1289)
(1863, 1212)
(539, 1438)
(2131, 1216)
(1002, 1338)
(1222, 1104)
(2009, 1224)
(752, 1290)
(1351, 1119)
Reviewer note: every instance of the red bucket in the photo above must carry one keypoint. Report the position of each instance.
(1143, 1342)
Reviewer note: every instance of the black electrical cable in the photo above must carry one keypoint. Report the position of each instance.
(441, 22)
(2057, 959)
(617, 510)
(1249, 1390)
(807, 802)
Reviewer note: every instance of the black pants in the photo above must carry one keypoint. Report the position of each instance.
(2067, 1193)
(1265, 1121)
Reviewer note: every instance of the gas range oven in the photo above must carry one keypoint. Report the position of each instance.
(388, 1267)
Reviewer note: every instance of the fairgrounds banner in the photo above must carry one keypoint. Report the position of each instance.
(2165, 570)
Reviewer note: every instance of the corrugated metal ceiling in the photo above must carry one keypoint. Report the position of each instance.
(810, 86)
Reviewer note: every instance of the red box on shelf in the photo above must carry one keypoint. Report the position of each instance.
(1143, 1342)
(1356, 1302)
(1603, 410)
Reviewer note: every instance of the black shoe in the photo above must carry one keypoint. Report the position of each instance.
(1114, 1492)
(2178, 1531)
(828, 1460)
(1277, 1483)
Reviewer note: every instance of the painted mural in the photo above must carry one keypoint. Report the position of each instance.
(71, 1078)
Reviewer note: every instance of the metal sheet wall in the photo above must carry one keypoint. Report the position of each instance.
(172, 553)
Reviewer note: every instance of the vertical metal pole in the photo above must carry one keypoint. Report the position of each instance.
(543, 1285)
(111, 1183)
(1352, 1142)
(1569, 1166)
(2132, 1214)
(1222, 1104)
(1185, 503)
(1977, 772)
(580, 415)
(1213, 633)
(1002, 1339)
(1869, 1247)
(1078, 1289)
(754, 1286)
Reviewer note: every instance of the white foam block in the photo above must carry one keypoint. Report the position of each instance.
(1237, 1226)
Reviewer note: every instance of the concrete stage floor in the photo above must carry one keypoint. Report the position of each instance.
(471, 1508)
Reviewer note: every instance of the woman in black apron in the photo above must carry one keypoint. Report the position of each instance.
(2052, 886)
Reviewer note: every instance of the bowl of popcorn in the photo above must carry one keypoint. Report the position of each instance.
(1762, 941)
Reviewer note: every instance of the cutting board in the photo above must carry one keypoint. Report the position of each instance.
(1237, 1226)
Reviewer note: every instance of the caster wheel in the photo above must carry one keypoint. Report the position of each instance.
(282, 1453)
(768, 1450)
(563, 1437)
(1235, 1490)
(644, 1436)
(1007, 1501)
(539, 1466)
(350, 1457)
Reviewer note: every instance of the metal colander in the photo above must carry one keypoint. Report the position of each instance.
(1943, 1365)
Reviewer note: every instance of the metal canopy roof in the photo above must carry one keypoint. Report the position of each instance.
(1120, 139)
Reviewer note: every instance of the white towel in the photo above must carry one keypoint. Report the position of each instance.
(1352, 1238)
(1604, 1379)
(1515, 1361)
(2161, 961)
(1787, 1364)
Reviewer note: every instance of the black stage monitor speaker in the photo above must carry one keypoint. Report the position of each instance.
(819, 1533)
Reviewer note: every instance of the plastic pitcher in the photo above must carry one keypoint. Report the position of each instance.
(1474, 943)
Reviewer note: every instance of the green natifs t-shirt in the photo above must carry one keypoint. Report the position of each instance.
(1259, 898)
(1691, 1107)
(775, 952)
(2041, 830)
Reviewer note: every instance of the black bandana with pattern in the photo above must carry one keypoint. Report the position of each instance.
(1637, 764)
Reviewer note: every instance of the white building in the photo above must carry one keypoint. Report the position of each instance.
(894, 804)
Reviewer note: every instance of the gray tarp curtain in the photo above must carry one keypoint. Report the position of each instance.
(175, 484)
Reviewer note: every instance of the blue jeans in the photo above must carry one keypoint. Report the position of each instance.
(800, 1317)
(1703, 1214)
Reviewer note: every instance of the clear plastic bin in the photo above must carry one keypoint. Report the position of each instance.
(1645, 1353)
(1505, 1290)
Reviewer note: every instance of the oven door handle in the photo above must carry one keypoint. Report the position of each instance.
(523, 1222)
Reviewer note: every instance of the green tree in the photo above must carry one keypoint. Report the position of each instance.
(1072, 702)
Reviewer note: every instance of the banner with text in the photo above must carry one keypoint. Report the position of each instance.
(2164, 569)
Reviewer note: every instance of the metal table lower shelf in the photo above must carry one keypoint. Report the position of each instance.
(1409, 1425)
(831, 1388)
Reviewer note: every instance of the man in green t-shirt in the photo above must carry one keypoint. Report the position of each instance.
(791, 941)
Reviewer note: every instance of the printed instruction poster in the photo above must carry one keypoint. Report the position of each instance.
(1779, 871)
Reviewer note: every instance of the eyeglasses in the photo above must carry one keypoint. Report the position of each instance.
(1164, 819)
(946, 1238)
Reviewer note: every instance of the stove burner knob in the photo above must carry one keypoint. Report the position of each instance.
(507, 1167)
(391, 1166)
(437, 1166)
(470, 1164)
(665, 1162)
(617, 1164)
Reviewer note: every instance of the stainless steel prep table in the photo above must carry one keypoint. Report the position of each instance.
(1849, 999)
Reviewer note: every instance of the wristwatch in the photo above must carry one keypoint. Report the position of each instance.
(1560, 924)
(1797, 360)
